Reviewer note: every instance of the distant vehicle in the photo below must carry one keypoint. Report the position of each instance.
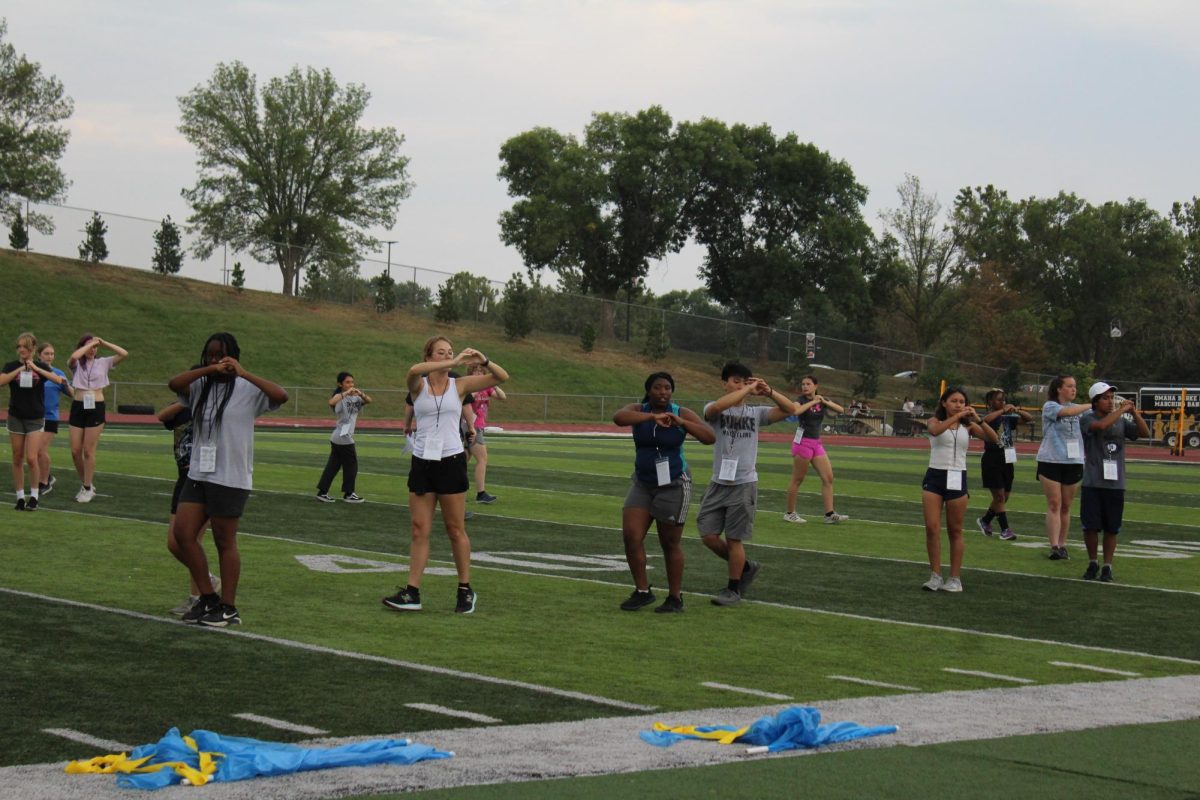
(1160, 405)
(911, 374)
(821, 366)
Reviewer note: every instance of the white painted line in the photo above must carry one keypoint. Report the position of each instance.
(866, 682)
(755, 692)
(1105, 670)
(281, 724)
(992, 675)
(332, 651)
(451, 712)
(107, 745)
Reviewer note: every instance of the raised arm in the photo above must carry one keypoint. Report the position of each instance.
(698, 428)
(784, 407)
(474, 383)
(185, 379)
(632, 414)
(119, 352)
(45, 373)
(728, 401)
(274, 392)
(169, 412)
(829, 404)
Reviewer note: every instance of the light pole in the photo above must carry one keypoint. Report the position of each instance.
(389, 243)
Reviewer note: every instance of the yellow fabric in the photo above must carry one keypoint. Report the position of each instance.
(721, 737)
(120, 762)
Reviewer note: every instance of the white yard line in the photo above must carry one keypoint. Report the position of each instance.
(756, 692)
(866, 682)
(1105, 670)
(281, 724)
(990, 675)
(452, 712)
(107, 745)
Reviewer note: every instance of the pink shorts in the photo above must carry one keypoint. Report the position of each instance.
(808, 448)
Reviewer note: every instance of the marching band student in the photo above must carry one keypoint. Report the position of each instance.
(996, 465)
(26, 416)
(1060, 460)
(87, 419)
(810, 410)
(346, 401)
(54, 392)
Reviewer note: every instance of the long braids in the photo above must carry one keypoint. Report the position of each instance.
(223, 390)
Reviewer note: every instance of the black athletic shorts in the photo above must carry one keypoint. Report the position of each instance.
(935, 481)
(51, 426)
(1101, 509)
(448, 476)
(218, 500)
(85, 418)
(182, 479)
(994, 473)
(1066, 474)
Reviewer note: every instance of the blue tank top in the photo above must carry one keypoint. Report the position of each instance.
(654, 441)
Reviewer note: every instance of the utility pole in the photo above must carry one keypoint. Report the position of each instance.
(389, 243)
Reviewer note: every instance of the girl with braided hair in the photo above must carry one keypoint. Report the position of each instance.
(225, 400)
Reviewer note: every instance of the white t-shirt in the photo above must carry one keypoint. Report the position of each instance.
(437, 420)
(233, 438)
(948, 450)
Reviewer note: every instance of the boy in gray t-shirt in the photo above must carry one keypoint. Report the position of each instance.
(1102, 502)
(731, 499)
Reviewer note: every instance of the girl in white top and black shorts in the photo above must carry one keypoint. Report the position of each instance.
(438, 474)
(87, 411)
(950, 432)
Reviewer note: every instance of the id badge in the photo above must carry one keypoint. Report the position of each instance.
(1072, 449)
(728, 469)
(89, 401)
(344, 429)
(26, 379)
(1110, 471)
(205, 458)
(662, 467)
(433, 449)
(799, 437)
(1010, 455)
(953, 480)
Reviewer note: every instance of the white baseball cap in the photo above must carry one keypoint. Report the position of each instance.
(1099, 388)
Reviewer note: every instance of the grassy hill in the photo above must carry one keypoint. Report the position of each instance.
(163, 322)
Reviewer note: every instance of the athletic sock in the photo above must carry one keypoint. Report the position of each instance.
(33, 493)
(1003, 517)
(211, 599)
(466, 586)
(829, 513)
(733, 585)
(989, 516)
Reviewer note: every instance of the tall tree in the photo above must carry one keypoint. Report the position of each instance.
(289, 174)
(93, 247)
(596, 211)
(18, 234)
(32, 140)
(781, 221)
(168, 252)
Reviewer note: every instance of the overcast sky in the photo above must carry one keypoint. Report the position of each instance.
(1091, 96)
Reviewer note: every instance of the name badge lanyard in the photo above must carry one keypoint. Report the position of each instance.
(1072, 432)
(89, 397)
(953, 476)
(662, 464)
(1109, 465)
(1010, 447)
(729, 465)
(433, 450)
(205, 455)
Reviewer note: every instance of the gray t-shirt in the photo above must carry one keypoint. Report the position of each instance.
(737, 437)
(1056, 433)
(1105, 445)
(233, 438)
(346, 412)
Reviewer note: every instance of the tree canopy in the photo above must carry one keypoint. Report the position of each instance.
(32, 140)
(289, 174)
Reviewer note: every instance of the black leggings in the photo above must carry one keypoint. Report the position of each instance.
(345, 458)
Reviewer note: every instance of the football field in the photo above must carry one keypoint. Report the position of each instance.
(837, 615)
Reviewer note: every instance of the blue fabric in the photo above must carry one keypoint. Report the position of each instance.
(792, 728)
(651, 441)
(53, 391)
(249, 758)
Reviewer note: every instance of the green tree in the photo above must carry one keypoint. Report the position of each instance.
(412, 295)
(656, 342)
(18, 234)
(168, 253)
(464, 296)
(867, 386)
(597, 211)
(93, 247)
(289, 174)
(383, 290)
(237, 277)
(780, 220)
(32, 140)
(587, 337)
(518, 319)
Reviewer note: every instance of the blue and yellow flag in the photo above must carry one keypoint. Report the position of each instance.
(792, 728)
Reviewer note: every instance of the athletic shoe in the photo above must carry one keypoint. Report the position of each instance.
(46, 488)
(484, 497)
(468, 515)
(353, 498)
(222, 616)
(672, 605)
(1063, 554)
(835, 518)
(726, 597)
(404, 600)
(792, 516)
(201, 607)
(1092, 572)
(984, 527)
(216, 583)
(32, 504)
(186, 606)
(324, 498)
(934, 583)
(637, 599)
(748, 576)
(1055, 555)
(20, 506)
(1007, 534)
(1106, 575)
(85, 495)
(952, 585)
(466, 601)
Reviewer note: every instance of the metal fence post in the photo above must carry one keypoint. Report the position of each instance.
(602, 408)
(545, 407)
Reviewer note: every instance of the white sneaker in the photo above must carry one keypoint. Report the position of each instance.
(85, 495)
(934, 583)
(216, 582)
(185, 606)
(952, 585)
(835, 518)
(792, 516)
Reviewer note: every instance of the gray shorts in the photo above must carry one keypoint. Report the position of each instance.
(667, 504)
(23, 427)
(479, 438)
(729, 510)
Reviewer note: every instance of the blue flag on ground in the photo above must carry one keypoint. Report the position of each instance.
(792, 728)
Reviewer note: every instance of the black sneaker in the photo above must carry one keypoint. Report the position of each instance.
(324, 497)
(1063, 554)
(672, 605)
(1055, 555)
(748, 575)
(466, 601)
(221, 616)
(637, 599)
(200, 608)
(353, 498)
(484, 497)
(1092, 572)
(20, 504)
(404, 600)
(31, 504)
(1106, 575)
